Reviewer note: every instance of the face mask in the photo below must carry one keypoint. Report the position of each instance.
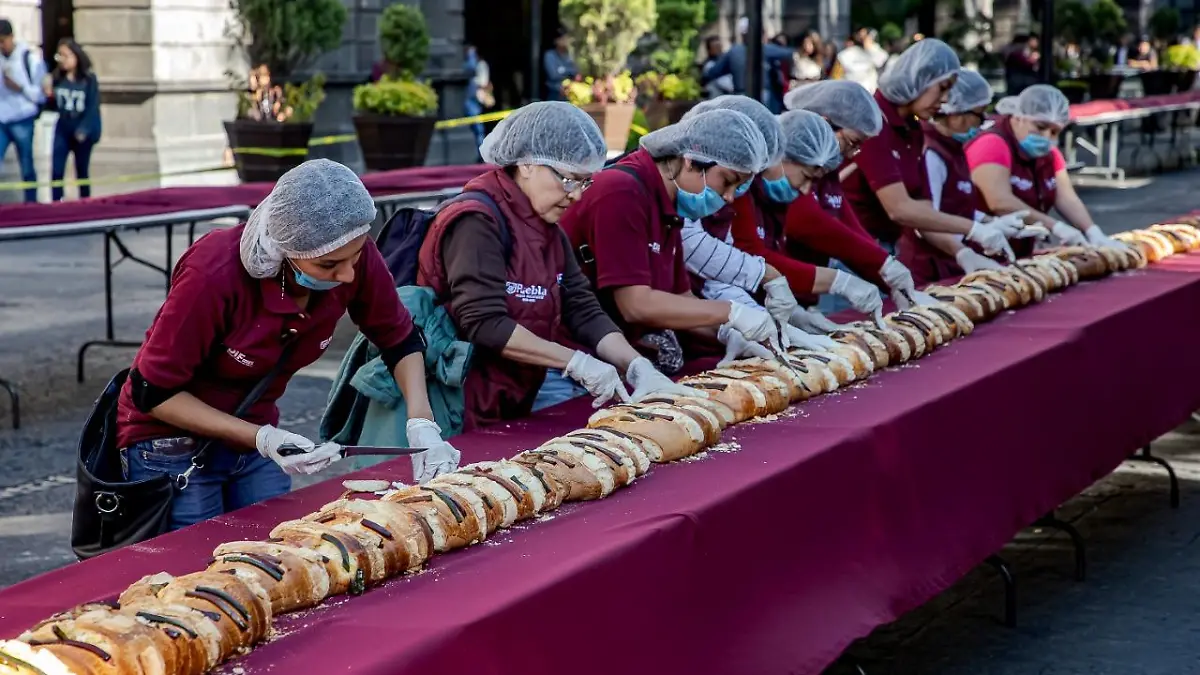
(742, 189)
(966, 136)
(780, 190)
(696, 206)
(311, 283)
(1036, 146)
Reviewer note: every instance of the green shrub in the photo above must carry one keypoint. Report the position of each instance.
(404, 39)
(286, 35)
(605, 32)
(391, 96)
(1164, 23)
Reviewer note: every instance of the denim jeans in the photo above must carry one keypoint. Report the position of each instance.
(65, 143)
(20, 135)
(472, 108)
(557, 388)
(228, 481)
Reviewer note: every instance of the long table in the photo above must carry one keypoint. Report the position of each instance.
(1104, 118)
(840, 516)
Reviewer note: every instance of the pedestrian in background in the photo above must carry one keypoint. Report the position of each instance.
(479, 90)
(558, 66)
(21, 69)
(72, 90)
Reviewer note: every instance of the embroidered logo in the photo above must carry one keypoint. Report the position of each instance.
(655, 247)
(1052, 183)
(1021, 183)
(896, 154)
(965, 187)
(325, 342)
(558, 279)
(834, 202)
(240, 357)
(762, 234)
(525, 293)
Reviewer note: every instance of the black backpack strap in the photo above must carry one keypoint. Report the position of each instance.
(630, 171)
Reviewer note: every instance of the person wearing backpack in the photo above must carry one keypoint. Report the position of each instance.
(512, 301)
(72, 90)
(21, 97)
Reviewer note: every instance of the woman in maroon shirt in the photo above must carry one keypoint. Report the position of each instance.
(237, 296)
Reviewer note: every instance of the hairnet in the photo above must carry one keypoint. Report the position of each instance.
(551, 133)
(1040, 102)
(725, 137)
(314, 209)
(970, 91)
(808, 139)
(844, 103)
(922, 65)
(758, 113)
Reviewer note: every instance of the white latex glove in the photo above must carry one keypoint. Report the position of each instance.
(1069, 236)
(971, 261)
(812, 321)
(600, 379)
(992, 240)
(802, 340)
(924, 299)
(896, 275)
(648, 381)
(779, 301)
(1009, 224)
(1033, 231)
(754, 324)
(863, 295)
(439, 457)
(269, 440)
(1096, 237)
(738, 347)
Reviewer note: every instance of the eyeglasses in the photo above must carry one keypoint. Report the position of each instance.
(570, 185)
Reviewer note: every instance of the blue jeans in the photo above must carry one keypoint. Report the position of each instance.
(471, 108)
(229, 480)
(557, 388)
(20, 135)
(66, 143)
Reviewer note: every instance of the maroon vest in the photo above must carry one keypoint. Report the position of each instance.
(959, 197)
(1032, 179)
(497, 388)
(772, 217)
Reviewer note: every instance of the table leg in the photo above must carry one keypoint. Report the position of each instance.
(16, 401)
(1113, 150)
(1145, 456)
(110, 239)
(1051, 522)
(1010, 589)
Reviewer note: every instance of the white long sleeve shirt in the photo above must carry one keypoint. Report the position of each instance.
(26, 69)
(715, 260)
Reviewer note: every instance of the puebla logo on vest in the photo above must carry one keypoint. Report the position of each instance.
(655, 247)
(1021, 183)
(1052, 183)
(833, 201)
(965, 187)
(525, 293)
(762, 233)
(240, 357)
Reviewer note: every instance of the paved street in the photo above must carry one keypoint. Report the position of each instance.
(1135, 614)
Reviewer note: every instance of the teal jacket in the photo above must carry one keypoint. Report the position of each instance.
(366, 407)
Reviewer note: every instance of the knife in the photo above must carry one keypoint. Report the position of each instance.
(289, 449)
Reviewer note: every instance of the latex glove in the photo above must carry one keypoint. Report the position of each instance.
(971, 261)
(269, 440)
(1009, 224)
(648, 381)
(1068, 235)
(754, 324)
(1033, 231)
(863, 295)
(992, 240)
(600, 379)
(1096, 237)
(738, 347)
(812, 321)
(439, 457)
(802, 340)
(896, 275)
(779, 301)
(924, 299)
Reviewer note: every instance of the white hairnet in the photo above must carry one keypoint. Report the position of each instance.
(314, 209)
(808, 139)
(550, 133)
(844, 103)
(763, 118)
(921, 66)
(725, 137)
(970, 91)
(1040, 102)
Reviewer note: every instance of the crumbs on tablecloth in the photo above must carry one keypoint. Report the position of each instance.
(727, 446)
(694, 458)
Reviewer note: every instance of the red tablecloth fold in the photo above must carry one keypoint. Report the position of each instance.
(826, 524)
(169, 200)
(1084, 110)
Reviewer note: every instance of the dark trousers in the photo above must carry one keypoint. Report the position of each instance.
(66, 143)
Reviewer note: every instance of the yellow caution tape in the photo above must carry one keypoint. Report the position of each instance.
(112, 180)
(640, 131)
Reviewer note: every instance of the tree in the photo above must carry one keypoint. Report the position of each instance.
(1108, 20)
(677, 29)
(1073, 22)
(1164, 23)
(605, 32)
(286, 35)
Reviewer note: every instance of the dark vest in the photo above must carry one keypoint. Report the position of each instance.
(497, 388)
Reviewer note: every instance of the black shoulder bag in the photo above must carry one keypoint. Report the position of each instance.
(111, 512)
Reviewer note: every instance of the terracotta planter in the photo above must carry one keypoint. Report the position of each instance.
(291, 139)
(614, 120)
(392, 141)
(661, 113)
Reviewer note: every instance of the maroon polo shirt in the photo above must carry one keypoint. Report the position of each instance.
(896, 155)
(625, 232)
(220, 330)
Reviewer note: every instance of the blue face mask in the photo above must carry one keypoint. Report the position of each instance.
(780, 190)
(695, 206)
(313, 284)
(742, 189)
(1036, 146)
(966, 136)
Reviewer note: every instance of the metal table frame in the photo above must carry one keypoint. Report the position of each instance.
(1104, 145)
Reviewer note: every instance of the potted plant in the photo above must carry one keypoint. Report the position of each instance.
(274, 121)
(395, 116)
(671, 88)
(605, 33)
(668, 96)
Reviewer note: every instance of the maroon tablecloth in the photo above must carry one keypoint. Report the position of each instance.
(1091, 108)
(826, 524)
(169, 200)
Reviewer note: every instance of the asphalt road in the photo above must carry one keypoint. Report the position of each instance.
(51, 301)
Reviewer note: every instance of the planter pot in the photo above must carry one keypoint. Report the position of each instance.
(291, 139)
(614, 120)
(1104, 86)
(661, 113)
(393, 141)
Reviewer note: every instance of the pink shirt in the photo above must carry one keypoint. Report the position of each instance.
(992, 149)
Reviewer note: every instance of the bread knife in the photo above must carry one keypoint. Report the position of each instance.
(289, 449)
